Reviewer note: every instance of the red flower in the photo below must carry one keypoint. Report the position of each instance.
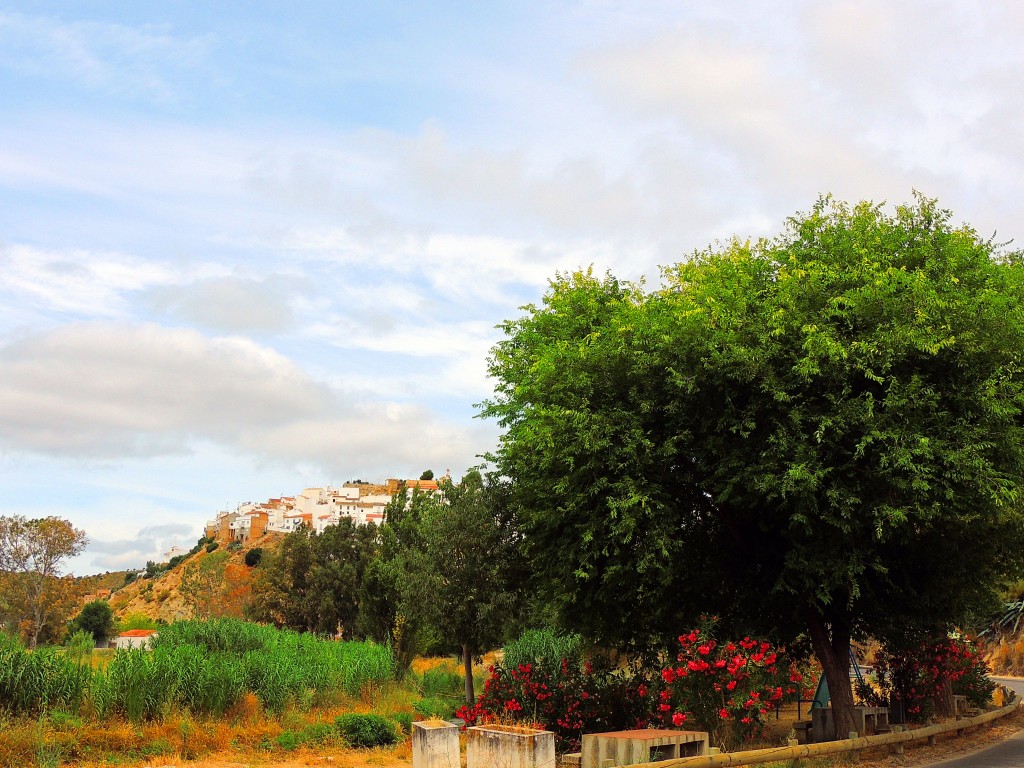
(678, 719)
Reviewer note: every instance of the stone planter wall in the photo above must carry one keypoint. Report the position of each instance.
(435, 745)
(506, 746)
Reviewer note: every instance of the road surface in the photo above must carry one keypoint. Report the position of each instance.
(1005, 754)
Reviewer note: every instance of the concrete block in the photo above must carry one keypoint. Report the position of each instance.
(435, 745)
(509, 746)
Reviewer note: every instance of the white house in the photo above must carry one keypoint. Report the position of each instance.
(135, 638)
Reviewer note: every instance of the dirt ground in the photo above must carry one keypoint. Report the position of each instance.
(401, 756)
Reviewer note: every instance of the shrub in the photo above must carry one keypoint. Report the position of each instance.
(724, 688)
(366, 730)
(566, 698)
(916, 676)
(287, 740)
(212, 546)
(253, 557)
(318, 734)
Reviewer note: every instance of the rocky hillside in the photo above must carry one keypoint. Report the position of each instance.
(206, 583)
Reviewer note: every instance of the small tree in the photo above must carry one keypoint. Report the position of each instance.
(96, 618)
(463, 581)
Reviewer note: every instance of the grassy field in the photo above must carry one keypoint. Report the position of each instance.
(205, 686)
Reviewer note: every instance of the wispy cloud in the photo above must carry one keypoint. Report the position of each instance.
(139, 61)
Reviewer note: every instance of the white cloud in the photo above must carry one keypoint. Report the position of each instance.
(134, 61)
(79, 281)
(109, 392)
(150, 543)
(230, 303)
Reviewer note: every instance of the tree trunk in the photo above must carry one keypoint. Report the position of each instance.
(467, 660)
(831, 645)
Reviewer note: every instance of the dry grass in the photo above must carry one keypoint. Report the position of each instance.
(1007, 656)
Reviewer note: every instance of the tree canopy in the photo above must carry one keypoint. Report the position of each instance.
(819, 432)
(312, 582)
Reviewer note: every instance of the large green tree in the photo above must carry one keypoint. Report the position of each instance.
(821, 433)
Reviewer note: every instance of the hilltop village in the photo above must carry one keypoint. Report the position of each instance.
(314, 508)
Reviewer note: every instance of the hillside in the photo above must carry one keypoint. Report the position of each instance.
(216, 583)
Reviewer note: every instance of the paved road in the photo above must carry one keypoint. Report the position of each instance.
(1006, 754)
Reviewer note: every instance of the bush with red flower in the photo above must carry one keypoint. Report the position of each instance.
(568, 698)
(918, 677)
(725, 688)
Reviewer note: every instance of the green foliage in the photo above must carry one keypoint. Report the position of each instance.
(31, 682)
(543, 648)
(428, 474)
(287, 740)
(79, 645)
(817, 433)
(211, 547)
(203, 584)
(366, 730)
(438, 681)
(137, 621)
(462, 578)
(319, 734)
(438, 706)
(253, 557)
(404, 721)
(313, 581)
(1007, 621)
(201, 667)
(96, 618)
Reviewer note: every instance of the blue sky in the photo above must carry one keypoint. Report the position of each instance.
(245, 249)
